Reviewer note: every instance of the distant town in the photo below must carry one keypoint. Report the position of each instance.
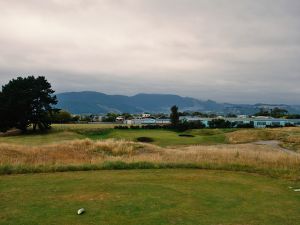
(265, 118)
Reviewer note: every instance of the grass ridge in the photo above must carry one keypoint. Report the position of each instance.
(119, 165)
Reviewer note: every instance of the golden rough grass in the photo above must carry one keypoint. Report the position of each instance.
(94, 152)
(244, 154)
(293, 139)
(252, 135)
(70, 152)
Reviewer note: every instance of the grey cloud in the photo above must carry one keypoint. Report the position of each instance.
(233, 51)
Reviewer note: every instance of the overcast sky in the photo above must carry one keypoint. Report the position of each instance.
(240, 51)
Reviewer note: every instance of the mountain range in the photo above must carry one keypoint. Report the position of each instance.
(89, 102)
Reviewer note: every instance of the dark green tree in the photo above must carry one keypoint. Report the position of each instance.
(86, 118)
(110, 117)
(293, 116)
(174, 116)
(62, 117)
(263, 112)
(26, 101)
(231, 115)
(278, 112)
(220, 123)
(127, 116)
(5, 122)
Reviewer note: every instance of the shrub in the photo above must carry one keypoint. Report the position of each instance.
(185, 125)
(156, 126)
(121, 127)
(289, 125)
(134, 127)
(274, 126)
(245, 125)
(220, 123)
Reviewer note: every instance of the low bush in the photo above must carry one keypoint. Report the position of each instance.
(274, 126)
(185, 125)
(220, 123)
(135, 127)
(121, 127)
(290, 125)
(156, 126)
(245, 125)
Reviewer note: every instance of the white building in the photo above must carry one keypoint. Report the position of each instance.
(120, 119)
(258, 122)
(146, 115)
(147, 121)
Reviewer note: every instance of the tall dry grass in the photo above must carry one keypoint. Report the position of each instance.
(292, 139)
(252, 135)
(71, 152)
(87, 152)
(243, 154)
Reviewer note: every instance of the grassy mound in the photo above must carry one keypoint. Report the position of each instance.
(95, 155)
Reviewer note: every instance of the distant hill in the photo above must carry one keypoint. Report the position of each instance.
(97, 103)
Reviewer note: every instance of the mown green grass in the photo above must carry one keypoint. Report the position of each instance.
(163, 137)
(148, 197)
(41, 139)
(81, 127)
(58, 133)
